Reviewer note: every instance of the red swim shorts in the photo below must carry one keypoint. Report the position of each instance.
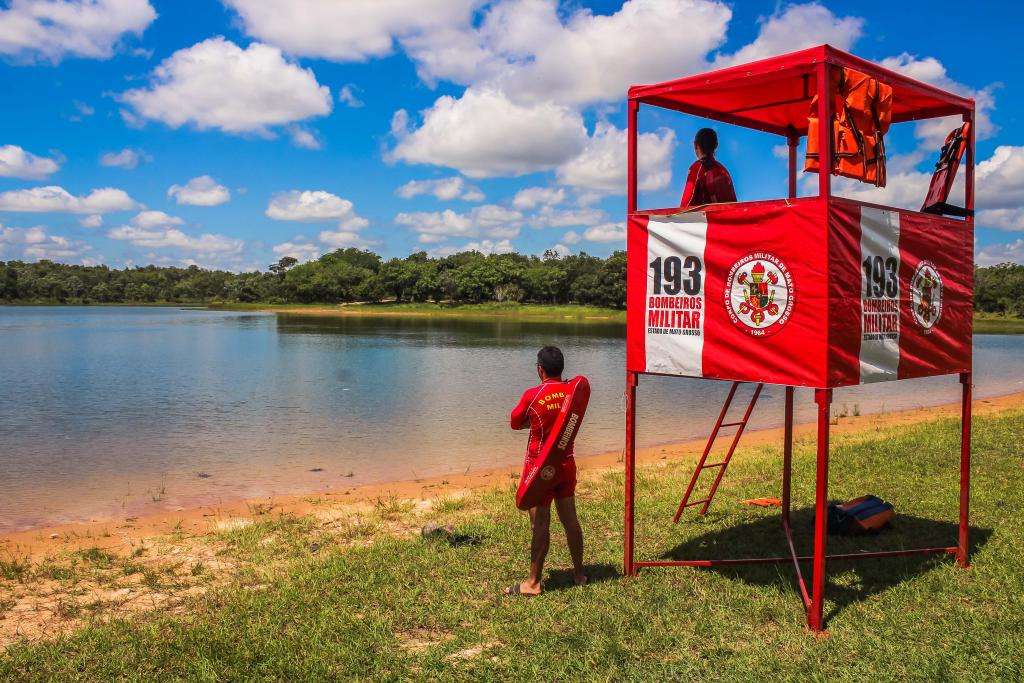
(564, 481)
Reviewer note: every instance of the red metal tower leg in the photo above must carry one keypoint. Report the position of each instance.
(815, 620)
(628, 567)
(787, 456)
(962, 551)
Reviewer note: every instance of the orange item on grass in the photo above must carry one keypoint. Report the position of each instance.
(764, 502)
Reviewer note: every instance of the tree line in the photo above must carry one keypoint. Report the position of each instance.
(347, 275)
(343, 275)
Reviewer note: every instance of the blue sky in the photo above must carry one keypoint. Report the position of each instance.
(230, 134)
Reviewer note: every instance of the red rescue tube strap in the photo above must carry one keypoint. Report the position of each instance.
(540, 476)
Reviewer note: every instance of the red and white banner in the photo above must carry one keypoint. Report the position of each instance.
(675, 301)
(786, 292)
(880, 294)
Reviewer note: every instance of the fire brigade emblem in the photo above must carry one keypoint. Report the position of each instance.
(547, 473)
(926, 295)
(759, 294)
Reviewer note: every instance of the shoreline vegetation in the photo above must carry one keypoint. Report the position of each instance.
(344, 584)
(984, 323)
(506, 310)
(467, 284)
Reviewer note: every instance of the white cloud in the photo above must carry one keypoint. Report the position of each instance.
(49, 30)
(53, 198)
(200, 191)
(482, 246)
(155, 219)
(311, 206)
(601, 165)
(999, 183)
(22, 235)
(532, 197)
(216, 84)
(608, 232)
(484, 134)
(348, 97)
(164, 237)
(535, 53)
(353, 30)
(560, 250)
(93, 221)
(932, 132)
(441, 224)
(304, 137)
(796, 27)
(994, 254)
(15, 162)
(571, 237)
(489, 220)
(303, 251)
(445, 189)
(83, 109)
(127, 158)
(1011, 220)
(549, 217)
(35, 243)
(1000, 178)
(342, 239)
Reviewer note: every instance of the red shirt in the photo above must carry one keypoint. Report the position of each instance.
(537, 409)
(708, 182)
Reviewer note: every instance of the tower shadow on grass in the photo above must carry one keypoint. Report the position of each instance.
(765, 538)
(560, 579)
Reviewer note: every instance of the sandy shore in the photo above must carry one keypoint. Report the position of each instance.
(123, 534)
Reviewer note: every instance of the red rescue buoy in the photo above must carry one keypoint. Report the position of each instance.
(540, 477)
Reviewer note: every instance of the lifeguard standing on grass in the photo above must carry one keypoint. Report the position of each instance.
(553, 411)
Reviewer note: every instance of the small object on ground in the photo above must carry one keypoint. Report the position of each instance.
(317, 469)
(313, 547)
(437, 531)
(203, 475)
(448, 534)
(865, 515)
(764, 502)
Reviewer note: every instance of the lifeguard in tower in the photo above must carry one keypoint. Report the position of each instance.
(707, 181)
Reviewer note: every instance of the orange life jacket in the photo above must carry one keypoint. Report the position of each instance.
(945, 172)
(861, 116)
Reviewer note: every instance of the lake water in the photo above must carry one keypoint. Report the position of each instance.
(106, 412)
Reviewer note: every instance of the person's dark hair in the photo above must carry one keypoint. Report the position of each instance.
(551, 361)
(707, 140)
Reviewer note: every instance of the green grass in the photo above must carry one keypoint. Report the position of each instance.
(992, 323)
(984, 323)
(539, 312)
(407, 608)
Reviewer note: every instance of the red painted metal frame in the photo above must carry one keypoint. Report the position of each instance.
(813, 597)
(723, 464)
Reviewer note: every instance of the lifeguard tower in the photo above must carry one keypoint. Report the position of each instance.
(820, 292)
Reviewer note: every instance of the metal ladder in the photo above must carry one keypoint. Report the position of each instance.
(724, 463)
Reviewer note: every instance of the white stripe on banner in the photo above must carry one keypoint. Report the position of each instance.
(674, 310)
(879, 294)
